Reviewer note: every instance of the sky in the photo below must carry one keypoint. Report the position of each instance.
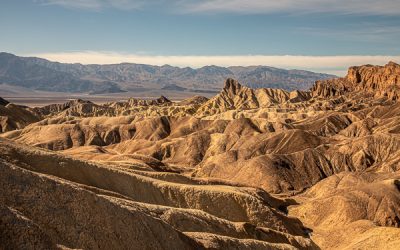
(318, 35)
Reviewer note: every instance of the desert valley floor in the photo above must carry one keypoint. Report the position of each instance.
(245, 169)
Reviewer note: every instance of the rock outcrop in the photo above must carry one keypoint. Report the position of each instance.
(14, 117)
(57, 108)
(379, 81)
(159, 101)
(234, 96)
(195, 100)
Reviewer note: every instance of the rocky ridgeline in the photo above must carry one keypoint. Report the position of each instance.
(162, 100)
(234, 96)
(56, 108)
(379, 81)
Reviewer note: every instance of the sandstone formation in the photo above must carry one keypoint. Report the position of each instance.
(194, 100)
(237, 97)
(246, 169)
(369, 211)
(14, 116)
(87, 205)
(380, 81)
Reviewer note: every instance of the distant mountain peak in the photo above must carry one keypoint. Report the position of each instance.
(41, 74)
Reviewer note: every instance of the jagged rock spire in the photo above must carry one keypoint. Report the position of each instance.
(232, 86)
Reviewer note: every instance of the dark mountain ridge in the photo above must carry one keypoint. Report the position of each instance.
(41, 74)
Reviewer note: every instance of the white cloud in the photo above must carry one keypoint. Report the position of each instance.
(95, 5)
(381, 7)
(366, 31)
(78, 4)
(373, 7)
(325, 64)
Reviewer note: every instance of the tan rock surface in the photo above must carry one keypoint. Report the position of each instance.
(87, 205)
(364, 205)
(380, 81)
(15, 117)
(217, 173)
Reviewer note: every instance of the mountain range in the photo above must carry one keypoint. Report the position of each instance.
(40, 74)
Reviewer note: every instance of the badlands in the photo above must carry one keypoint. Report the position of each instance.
(246, 169)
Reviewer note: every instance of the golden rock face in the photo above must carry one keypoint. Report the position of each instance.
(246, 169)
(380, 81)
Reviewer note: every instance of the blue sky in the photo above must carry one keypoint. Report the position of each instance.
(320, 35)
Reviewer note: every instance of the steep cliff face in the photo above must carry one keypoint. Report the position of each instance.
(379, 81)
